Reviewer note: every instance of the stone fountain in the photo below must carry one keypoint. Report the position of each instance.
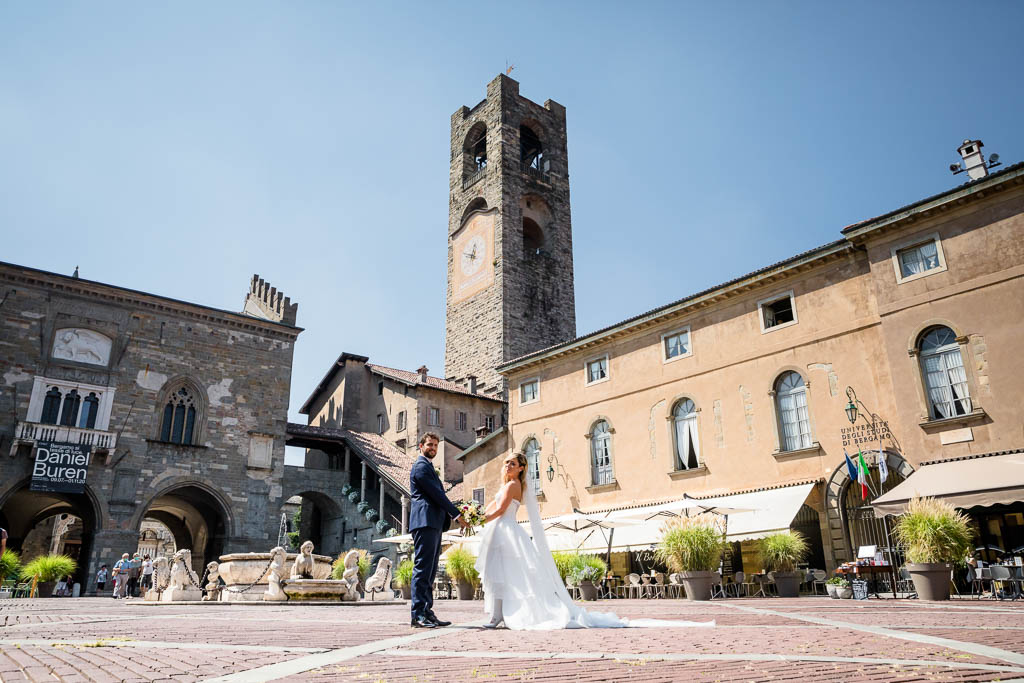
(241, 570)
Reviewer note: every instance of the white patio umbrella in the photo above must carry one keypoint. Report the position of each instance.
(577, 522)
(446, 537)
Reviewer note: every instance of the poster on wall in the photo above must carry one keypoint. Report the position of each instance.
(60, 467)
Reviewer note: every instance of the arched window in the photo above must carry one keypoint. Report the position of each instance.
(69, 411)
(945, 379)
(791, 406)
(684, 418)
(531, 151)
(533, 237)
(532, 452)
(178, 424)
(51, 407)
(601, 453)
(90, 407)
(474, 149)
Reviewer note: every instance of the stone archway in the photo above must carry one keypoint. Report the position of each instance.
(29, 515)
(320, 519)
(839, 542)
(196, 516)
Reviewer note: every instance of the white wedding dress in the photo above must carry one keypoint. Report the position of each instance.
(519, 571)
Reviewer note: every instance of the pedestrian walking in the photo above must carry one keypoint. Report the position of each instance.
(101, 579)
(121, 568)
(147, 574)
(134, 573)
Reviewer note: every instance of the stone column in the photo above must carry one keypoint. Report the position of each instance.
(380, 512)
(347, 453)
(405, 514)
(362, 481)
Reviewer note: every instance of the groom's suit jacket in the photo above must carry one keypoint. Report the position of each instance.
(430, 507)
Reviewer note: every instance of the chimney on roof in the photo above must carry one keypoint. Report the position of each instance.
(481, 432)
(423, 373)
(472, 383)
(973, 160)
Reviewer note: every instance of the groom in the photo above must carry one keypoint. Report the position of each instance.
(428, 518)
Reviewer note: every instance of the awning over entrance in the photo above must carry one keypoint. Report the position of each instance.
(984, 480)
(768, 511)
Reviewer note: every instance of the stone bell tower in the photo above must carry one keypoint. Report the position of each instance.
(510, 274)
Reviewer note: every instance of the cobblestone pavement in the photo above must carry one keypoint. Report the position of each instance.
(805, 639)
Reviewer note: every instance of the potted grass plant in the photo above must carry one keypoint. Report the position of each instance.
(403, 578)
(780, 553)
(936, 537)
(461, 567)
(693, 548)
(10, 565)
(46, 569)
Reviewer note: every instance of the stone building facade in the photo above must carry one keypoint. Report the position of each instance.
(183, 406)
(510, 268)
(364, 425)
(743, 387)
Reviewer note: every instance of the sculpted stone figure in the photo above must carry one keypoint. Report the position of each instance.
(351, 575)
(378, 583)
(213, 583)
(183, 580)
(276, 574)
(161, 577)
(303, 566)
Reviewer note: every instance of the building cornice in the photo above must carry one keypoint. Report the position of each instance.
(711, 297)
(14, 274)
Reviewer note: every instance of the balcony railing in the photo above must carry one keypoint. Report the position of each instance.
(535, 172)
(33, 431)
(474, 177)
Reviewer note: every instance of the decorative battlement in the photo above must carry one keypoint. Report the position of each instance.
(264, 301)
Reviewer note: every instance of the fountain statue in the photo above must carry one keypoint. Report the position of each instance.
(303, 566)
(275, 590)
(380, 581)
(183, 583)
(213, 585)
(160, 578)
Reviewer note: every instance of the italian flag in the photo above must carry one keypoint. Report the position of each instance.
(862, 474)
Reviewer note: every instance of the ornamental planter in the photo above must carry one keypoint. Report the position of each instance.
(844, 592)
(788, 584)
(831, 588)
(588, 590)
(44, 589)
(698, 584)
(406, 592)
(931, 580)
(465, 590)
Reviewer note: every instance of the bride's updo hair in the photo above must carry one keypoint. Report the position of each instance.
(521, 459)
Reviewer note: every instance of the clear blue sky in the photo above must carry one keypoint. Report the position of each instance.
(178, 148)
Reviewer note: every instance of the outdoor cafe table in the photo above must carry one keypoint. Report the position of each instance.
(870, 572)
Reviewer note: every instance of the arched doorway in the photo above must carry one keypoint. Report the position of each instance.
(855, 515)
(195, 517)
(38, 522)
(808, 524)
(314, 516)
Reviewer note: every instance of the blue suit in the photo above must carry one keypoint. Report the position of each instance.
(429, 516)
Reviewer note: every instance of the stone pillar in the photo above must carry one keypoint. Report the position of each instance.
(362, 481)
(380, 512)
(347, 454)
(405, 514)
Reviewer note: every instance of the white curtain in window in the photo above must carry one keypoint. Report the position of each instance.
(946, 382)
(687, 443)
(791, 398)
(532, 451)
(601, 455)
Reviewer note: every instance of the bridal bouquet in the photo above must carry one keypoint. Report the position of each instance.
(472, 513)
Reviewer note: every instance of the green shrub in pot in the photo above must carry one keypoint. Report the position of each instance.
(936, 537)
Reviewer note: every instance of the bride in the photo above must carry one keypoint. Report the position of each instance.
(521, 586)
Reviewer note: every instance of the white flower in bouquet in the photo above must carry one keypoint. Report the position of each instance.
(472, 513)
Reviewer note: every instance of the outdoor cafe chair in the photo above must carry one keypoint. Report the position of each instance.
(22, 590)
(771, 588)
(574, 590)
(633, 586)
(738, 583)
(976, 580)
(1002, 575)
(658, 586)
(717, 590)
(819, 580)
(7, 589)
(675, 586)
